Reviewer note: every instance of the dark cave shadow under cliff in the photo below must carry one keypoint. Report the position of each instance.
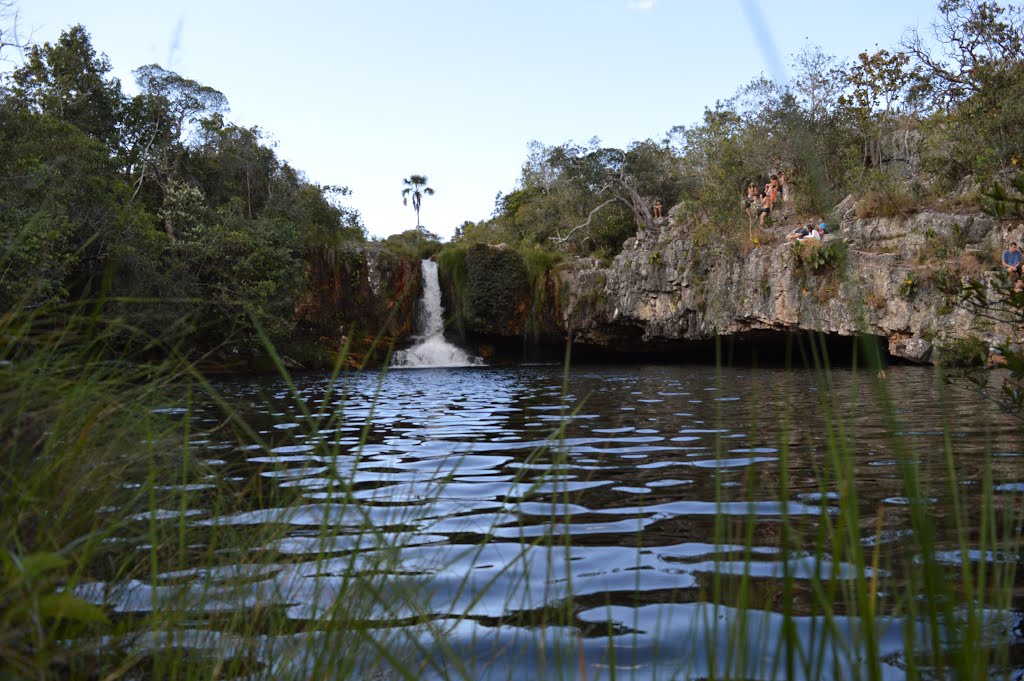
(756, 348)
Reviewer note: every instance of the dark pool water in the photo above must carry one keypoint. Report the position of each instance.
(602, 522)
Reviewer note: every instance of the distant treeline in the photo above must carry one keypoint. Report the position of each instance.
(902, 128)
(183, 221)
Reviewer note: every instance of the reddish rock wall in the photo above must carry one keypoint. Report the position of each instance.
(360, 297)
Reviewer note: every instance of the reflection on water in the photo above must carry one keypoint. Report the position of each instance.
(605, 515)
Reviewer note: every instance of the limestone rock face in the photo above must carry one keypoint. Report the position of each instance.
(678, 284)
(888, 277)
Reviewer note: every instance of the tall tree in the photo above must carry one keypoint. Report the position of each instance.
(156, 128)
(971, 72)
(63, 220)
(974, 47)
(416, 187)
(157, 118)
(68, 80)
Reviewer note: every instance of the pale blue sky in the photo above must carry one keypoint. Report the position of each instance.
(364, 93)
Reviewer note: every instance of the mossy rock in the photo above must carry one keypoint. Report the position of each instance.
(497, 290)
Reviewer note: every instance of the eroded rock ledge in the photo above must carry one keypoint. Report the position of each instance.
(892, 278)
(676, 288)
(895, 281)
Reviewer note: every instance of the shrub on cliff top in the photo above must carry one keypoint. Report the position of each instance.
(882, 194)
(818, 258)
(538, 261)
(414, 243)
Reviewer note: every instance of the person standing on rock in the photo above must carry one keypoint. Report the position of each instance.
(751, 203)
(785, 193)
(768, 202)
(1013, 260)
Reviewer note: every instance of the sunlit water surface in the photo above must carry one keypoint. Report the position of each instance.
(551, 525)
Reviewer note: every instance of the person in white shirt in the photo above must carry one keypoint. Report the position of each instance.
(812, 234)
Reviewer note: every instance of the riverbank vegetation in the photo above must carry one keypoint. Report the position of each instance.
(930, 122)
(158, 198)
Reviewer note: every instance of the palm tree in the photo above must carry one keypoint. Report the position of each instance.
(417, 186)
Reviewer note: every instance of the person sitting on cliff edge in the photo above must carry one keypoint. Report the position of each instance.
(798, 233)
(813, 235)
(1013, 261)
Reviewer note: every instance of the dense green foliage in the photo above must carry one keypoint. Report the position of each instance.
(414, 243)
(585, 199)
(496, 286)
(155, 199)
(818, 257)
(898, 128)
(967, 352)
(487, 287)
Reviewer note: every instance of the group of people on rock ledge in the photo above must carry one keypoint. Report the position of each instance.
(759, 202)
(812, 231)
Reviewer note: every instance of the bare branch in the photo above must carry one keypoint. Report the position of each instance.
(558, 239)
(144, 156)
(973, 39)
(9, 31)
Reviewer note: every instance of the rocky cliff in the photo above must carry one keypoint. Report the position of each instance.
(361, 301)
(679, 285)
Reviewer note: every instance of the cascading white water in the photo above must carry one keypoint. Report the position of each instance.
(431, 349)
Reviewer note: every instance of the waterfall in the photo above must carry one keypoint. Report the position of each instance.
(431, 349)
